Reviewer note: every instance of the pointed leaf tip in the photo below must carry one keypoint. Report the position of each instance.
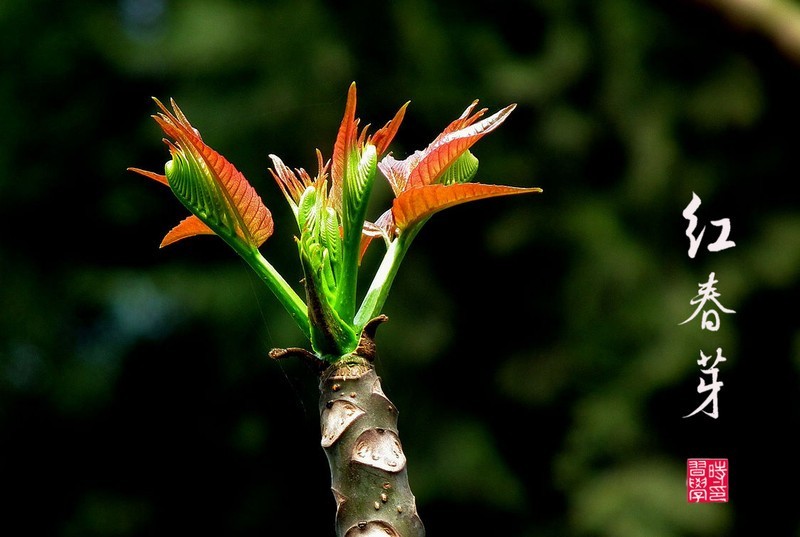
(161, 178)
(417, 204)
(188, 227)
(346, 136)
(384, 136)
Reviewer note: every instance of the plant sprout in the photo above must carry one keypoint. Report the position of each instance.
(358, 422)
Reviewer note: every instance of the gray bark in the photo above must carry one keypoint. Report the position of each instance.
(368, 467)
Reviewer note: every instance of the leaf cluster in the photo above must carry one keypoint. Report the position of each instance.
(329, 209)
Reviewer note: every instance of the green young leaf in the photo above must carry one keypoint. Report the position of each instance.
(331, 335)
(357, 187)
(330, 235)
(358, 180)
(463, 170)
(306, 207)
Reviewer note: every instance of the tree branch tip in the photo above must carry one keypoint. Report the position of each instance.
(372, 325)
(366, 345)
(298, 352)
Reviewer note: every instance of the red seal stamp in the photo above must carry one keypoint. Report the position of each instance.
(707, 480)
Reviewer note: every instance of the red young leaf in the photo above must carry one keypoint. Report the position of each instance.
(464, 120)
(382, 227)
(287, 180)
(398, 171)
(416, 204)
(344, 145)
(451, 144)
(384, 136)
(294, 182)
(189, 227)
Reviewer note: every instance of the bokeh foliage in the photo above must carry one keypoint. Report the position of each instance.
(533, 346)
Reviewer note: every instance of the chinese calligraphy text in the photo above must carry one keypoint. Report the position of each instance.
(708, 306)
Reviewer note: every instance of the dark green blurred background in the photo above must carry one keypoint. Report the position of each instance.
(533, 346)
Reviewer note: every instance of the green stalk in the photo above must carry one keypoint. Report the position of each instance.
(378, 290)
(290, 300)
(331, 337)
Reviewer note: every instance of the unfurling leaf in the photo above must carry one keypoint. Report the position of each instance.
(344, 146)
(213, 190)
(294, 183)
(438, 177)
(459, 136)
(357, 188)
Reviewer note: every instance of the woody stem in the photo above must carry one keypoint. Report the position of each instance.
(368, 467)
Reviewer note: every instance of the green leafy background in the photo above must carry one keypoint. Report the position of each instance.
(533, 346)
